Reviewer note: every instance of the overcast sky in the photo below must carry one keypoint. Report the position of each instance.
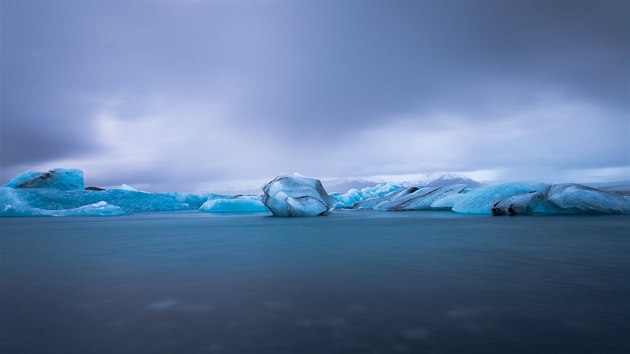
(191, 96)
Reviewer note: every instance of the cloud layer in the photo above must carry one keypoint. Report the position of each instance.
(188, 96)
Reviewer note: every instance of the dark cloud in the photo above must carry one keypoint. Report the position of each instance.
(227, 90)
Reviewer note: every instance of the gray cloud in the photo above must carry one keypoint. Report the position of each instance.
(196, 94)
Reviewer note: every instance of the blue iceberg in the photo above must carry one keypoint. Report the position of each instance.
(373, 202)
(482, 200)
(60, 192)
(128, 201)
(353, 196)
(241, 204)
(428, 198)
(15, 202)
(296, 196)
(577, 198)
(414, 198)
(564, 199)
(60, 178)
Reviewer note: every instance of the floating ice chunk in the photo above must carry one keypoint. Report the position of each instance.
(564, 199)
(353, 196)
(130, 202)
(423, 199)
(296, 196)
(15, 202)
(59, 178)
(447, 201)
(371, 203)
(582, 199)
(401, 197)
(482, 200)
(523, 204)
(248, 204)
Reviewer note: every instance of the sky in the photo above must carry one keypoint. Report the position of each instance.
(213, 96)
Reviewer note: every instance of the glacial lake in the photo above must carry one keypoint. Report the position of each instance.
(350, 282)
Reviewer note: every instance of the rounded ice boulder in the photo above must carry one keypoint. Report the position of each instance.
(59, 178)
(296, 196)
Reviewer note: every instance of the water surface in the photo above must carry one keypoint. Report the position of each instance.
(351, 282)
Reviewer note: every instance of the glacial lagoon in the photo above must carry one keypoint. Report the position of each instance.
(355, 281)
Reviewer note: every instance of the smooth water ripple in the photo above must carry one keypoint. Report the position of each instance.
(351, 282)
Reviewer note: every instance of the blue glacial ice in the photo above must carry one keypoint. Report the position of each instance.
(241, 204)
(582, 199)
(60, 178)
(401, 197)
(483, 199)
(60, 192)
(15, 202)
(296, 196)
(429, 198)
(411, 198)
(128, 201)
(348, 199)
(564, 199)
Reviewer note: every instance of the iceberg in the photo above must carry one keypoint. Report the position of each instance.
(15, 202)
(523, 204)
(244, 204)
(59, 178)
(583, 199)
(371, 203)
(61, 192)
(429, 198)
(353, 196)
(296, 196)
(447, 201)
(482, 200)
(393, 200)
(128, 201)
(564, 199)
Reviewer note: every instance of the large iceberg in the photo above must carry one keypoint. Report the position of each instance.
(15, 203)
(373, 202)
(241, 204)
(392, 200)
(60, 192)
(564, 199)
(353, 196)
(59, 178)
(296, 196)
(429, 198)
(583, 199)
(435, 191)
(396, 198)
(128, 201)
(482, 200)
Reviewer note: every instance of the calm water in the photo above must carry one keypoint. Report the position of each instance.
(352, 282)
